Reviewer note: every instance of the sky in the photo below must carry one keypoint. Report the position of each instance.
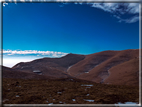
(36, 30)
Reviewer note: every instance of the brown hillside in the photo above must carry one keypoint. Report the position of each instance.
(55, 67)
(90, 62)
(12, 73)
(103, 67)
(102, 63)
(128, 71)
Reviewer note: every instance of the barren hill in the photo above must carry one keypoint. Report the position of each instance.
(110, 67)
(17, 74)
(55, 67)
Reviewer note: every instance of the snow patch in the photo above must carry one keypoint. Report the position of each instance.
(60, 101)
(17, 95)
(36, 71)
(88, 100)
(50, 103)
(59, 92)
(73, 99)
(87, 94)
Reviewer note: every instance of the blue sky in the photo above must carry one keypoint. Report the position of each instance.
(68, 28)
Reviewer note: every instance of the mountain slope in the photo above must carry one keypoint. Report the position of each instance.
(55, 67)
(12, 73)
(95, 67)
(110, 67)
(128, 71)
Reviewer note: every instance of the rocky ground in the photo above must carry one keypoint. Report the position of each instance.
(65, 91)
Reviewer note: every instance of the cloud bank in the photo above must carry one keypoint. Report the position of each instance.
(122, 8)
(12, 57)
(119, 10)
(34, 52)
(10, 62)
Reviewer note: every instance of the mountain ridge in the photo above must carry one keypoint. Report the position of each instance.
(98, 67)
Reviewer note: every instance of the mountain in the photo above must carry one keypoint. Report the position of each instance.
(55, 67)
(109, 67)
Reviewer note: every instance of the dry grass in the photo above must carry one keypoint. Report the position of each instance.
(63, 91)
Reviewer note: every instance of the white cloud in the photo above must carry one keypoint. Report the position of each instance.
(11, 61)
(132, 20)
(5, 4)
(12, 57)
(34, 52)
(109, 7)
(133, 7)
(120, 9)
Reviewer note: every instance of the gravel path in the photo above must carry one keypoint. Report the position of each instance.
(106, 76)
